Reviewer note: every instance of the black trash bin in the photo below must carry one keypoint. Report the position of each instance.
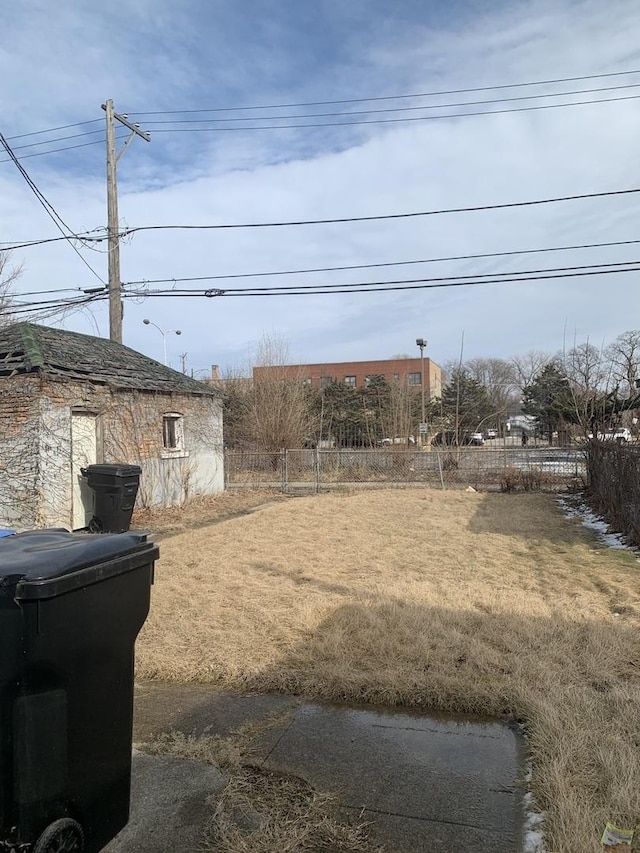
(71, 607)
(115, 488)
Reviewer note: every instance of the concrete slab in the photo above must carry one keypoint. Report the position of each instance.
(199, 709)
(400, 833)
(169, 805)
(423, 783)
(452, 778)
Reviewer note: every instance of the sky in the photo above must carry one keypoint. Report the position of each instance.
(163, 62)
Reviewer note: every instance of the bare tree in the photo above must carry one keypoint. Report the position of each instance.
(500, 380)
(401, 414)
(237, 395)
(279, 410)
(623, 356)
(588, 375)
(529, 365)
(8, 275)
(587, 368)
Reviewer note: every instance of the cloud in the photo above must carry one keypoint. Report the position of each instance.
(168, 55)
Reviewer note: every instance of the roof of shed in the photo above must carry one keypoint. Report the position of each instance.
(30, 348)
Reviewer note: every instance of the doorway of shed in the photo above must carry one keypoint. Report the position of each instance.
(84, 451)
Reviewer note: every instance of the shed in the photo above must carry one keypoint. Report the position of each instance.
(68, 400)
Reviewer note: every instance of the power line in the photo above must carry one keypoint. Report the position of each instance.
(356, 101)
(397, 109)
(57, 150)
(54, 129)
(319, 290)
(58, 139)
(398, 120)
(344, 268)
(378, 217)
(47, 292)
(391, 120)
(49, 304)
(369, 287)
(398, 97)
(48, 207)
(406, 96)
(511, 275)
(381, 287)
(86, 236)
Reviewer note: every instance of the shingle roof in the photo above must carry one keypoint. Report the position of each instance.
(30, 348)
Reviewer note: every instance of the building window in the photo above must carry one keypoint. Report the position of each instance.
(308, 381)
(325, 381)
(172, 434)
(396, 377)
(350, 380)
(414, 379)
(374, 379)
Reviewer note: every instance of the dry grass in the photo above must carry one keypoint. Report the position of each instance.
(456, 601)
(260, 811)
(202, 511)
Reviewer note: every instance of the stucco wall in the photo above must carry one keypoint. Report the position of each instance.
(35, 445)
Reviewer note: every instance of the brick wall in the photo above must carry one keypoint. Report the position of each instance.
(392, 370)
(19, 448)
(35, 445)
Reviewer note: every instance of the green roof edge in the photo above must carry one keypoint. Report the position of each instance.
(31, 346)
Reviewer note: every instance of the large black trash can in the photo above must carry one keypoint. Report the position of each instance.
(115, 487)
(71, 606)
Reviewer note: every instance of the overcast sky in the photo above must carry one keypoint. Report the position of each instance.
(60, 61)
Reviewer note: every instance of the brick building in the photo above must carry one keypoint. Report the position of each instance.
(358, 374)
(68, 400)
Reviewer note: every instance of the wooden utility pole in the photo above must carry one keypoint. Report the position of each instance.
(115, 286)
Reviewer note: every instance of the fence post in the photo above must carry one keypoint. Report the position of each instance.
(317, 470)
(283, 469)
(440, 469)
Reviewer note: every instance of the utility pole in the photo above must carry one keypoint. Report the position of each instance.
(115, 286)
(420, 342)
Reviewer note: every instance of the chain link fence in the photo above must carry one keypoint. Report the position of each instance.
(510, 469)
(614, 486)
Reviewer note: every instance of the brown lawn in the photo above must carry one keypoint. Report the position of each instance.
(455, 601)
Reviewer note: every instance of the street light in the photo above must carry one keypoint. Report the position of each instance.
(420, 342)
(164, 333)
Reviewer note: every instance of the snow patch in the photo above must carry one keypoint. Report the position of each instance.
(578, 509)
(533, 820)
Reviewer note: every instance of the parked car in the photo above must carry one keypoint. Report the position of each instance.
(450, 438)
(386, 442)
(491, 433)
(620, 435)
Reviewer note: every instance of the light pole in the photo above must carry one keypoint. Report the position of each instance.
(420, 342)
(164, 333)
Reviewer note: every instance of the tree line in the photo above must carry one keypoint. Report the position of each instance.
(580, 391)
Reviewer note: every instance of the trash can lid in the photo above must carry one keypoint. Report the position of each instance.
(115, 470)
(39, 556)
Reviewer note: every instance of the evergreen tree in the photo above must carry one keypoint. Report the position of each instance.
(549, 399)
(466, 403)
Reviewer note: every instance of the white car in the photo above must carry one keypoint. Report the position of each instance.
(620, 435)
(385, 442)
